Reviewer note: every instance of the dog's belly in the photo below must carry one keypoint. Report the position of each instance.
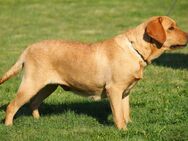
(93, 93)
(86, 78)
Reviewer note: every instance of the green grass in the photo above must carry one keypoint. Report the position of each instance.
(159, 102)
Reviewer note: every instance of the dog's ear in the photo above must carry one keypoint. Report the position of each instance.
(155, 30)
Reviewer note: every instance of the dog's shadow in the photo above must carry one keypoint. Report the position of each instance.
(173, 60)
(100, 110)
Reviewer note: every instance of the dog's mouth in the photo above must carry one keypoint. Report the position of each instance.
(178, 46)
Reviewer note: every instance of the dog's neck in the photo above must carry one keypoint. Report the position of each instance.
(136, 52)
(143, 44)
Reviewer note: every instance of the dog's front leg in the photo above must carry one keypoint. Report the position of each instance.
(125, 102)
(126, 109)
(115, 98)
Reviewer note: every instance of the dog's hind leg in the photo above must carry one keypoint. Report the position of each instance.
(41, 95)
(27, 90)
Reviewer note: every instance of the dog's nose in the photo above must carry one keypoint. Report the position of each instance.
(186, 34)
(187, 37)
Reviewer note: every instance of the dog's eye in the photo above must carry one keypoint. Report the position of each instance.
(171, 28)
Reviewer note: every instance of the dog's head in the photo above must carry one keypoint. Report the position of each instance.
(165, 32)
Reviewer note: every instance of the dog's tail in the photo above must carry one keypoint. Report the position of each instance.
(14, 69)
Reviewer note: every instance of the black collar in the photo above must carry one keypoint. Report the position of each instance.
(139, 53)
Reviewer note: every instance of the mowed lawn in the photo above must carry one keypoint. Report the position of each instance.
(159, 102)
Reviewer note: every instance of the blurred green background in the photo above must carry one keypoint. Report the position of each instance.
(158, 102)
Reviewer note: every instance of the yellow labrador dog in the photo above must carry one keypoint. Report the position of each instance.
(104, 69)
